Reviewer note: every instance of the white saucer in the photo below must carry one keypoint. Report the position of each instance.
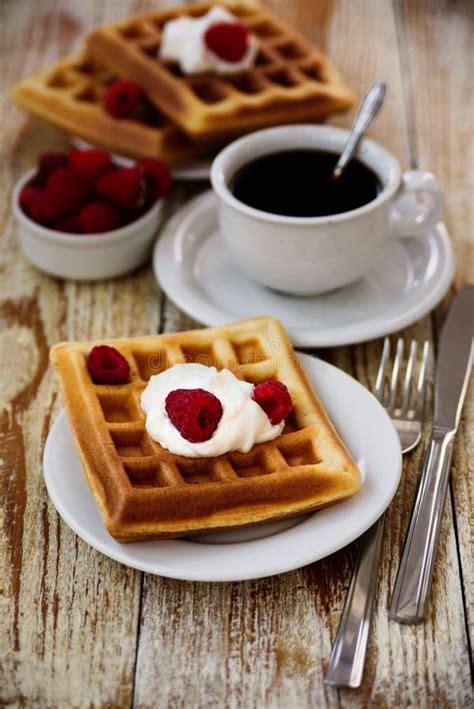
(196, 170)
(193, 266)
(258, 551)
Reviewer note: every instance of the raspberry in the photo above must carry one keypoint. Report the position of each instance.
(157, 178)
(107, 366)
(90, 164)
(229, 40)
(64, 192)
(99, 216)
(194, 412)
(124, 187)
(122, 98)
(71, 224)
(274, 399)
(48, 163)
(31, 201)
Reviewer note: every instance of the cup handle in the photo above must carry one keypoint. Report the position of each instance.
(412, 217)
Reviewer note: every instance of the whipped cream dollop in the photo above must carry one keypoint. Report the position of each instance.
(183, 42)
(243, 424)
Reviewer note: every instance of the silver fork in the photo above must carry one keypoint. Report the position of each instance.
(346, 665)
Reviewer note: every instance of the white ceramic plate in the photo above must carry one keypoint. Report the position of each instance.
(258, 551)
(409, 279)
(196, 170)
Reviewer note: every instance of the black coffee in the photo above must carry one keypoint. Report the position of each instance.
(298, 183)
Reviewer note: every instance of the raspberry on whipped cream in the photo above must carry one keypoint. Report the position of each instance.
(243, 422)
(184, 42)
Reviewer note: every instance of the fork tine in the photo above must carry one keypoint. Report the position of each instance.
(379, 383)
(421, 386)
(408, 374)
(395, 372)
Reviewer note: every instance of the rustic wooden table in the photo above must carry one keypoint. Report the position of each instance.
(79, 630)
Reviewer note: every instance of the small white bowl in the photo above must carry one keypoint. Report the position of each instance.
(85, 257)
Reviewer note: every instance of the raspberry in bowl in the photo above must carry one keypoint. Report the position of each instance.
(84, 217)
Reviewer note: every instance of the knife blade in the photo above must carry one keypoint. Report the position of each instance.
(413, 583)
(454, 361)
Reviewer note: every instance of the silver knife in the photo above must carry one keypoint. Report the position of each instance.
(413, 583)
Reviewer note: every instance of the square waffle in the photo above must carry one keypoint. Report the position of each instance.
(291, 81)
(69, 95)
(146, 492)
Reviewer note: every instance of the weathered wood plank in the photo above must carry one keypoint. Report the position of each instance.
(398, 656)
(441, 642)
(441, 57)
(68, 615)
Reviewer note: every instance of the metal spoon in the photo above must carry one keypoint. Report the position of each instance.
(368, 109)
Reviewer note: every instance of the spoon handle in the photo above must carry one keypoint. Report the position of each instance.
(368, 109)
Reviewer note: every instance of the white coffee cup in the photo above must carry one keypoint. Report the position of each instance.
(310, 255)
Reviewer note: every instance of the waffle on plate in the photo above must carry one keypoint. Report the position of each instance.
(145, 492)
(291, 81)
(69, 95)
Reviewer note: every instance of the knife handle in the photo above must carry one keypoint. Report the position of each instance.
(413, 583)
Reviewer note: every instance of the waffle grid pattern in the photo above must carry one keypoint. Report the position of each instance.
(147, 464)
(290, 76)
(69, 94)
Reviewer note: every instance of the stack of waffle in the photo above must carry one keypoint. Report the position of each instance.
(189, 115)
(145, 492)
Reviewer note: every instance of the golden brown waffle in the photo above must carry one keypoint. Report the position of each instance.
(146, 492)
(69, 95)
(292, 80)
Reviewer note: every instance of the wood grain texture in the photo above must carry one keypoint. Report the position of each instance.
(79, 630)
(68, 615)
(440, 62)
